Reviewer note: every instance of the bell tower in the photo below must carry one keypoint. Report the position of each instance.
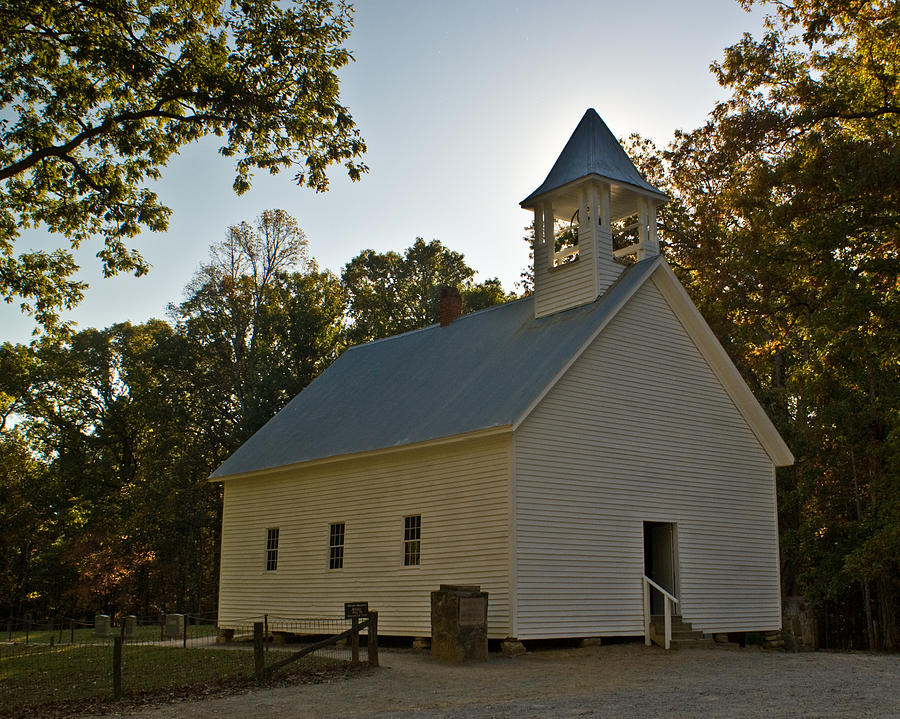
(592, 193)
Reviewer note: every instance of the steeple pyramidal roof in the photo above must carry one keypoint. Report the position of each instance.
(592, 150)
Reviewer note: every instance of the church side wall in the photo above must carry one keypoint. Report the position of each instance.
(461, 491)
(639, 429)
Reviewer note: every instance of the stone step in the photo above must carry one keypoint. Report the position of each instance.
(680, 627)
(661, 618)
(683, 634)
(683, 642)
(660, 627)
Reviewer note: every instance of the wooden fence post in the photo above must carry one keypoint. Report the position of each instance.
(117, 668)
(373, 639)
(354, 639)
(184, 638)
(71, 631)
(162, 626)
(259, 655)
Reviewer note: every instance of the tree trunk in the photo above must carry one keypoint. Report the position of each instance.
(871, 631)
(888, 610)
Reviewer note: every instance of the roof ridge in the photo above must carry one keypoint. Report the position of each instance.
(437, 324)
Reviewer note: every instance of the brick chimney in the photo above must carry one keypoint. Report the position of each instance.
(451, 305)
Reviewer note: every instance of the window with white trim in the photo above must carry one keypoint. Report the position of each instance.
(412, 537)
(336, 546)
(272, 549)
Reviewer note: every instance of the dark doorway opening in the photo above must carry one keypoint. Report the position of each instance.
(660, 563)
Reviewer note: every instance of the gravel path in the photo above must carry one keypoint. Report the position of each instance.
(620, 680)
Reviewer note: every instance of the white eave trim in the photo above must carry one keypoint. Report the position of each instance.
(531, 201)
(722, 366)
(452, 439)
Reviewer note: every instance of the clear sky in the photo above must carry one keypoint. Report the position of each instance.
(464, 105)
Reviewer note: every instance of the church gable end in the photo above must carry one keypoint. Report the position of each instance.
(638, 430)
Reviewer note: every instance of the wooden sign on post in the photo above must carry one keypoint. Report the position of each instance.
(355, 610)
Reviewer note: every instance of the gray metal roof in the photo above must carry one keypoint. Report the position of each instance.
(482, 371)
(591, 150)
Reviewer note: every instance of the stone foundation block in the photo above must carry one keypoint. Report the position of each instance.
(512, 648)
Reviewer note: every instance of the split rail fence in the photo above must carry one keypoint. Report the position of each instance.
(67, 660)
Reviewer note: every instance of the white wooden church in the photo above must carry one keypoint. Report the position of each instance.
(571, 452)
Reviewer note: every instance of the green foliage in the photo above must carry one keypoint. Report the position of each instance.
(28, 499)
(485, 294)
(17, 367)
(391, 293)
(96, 97)
(263, 331)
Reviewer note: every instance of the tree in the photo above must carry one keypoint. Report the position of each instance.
(29, 500)
(391, 293)
(17, 376)
(485, 294)
(264, 330)
(227, 296)
(96, 97)
(784, 227)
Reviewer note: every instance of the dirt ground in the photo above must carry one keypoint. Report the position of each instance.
(619, 680)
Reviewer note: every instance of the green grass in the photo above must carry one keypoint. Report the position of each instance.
(86, 635)
(32, 675)
(154, 668)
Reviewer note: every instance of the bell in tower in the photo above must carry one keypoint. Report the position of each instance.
(592, 192)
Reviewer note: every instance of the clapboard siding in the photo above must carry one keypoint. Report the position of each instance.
(566, 286)
(462, 492)
(608, 269)
(639, 429)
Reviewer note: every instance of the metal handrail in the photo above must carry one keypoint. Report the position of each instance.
(668, 600)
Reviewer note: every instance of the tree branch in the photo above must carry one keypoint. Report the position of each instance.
(864, 115)
(92, 131)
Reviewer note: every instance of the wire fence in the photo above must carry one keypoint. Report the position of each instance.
(282, 634)
(64, 660)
